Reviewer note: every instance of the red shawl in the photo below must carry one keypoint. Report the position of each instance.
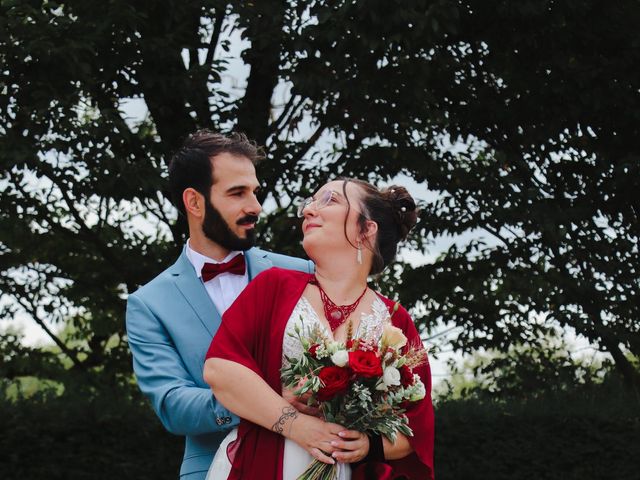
(251, 334)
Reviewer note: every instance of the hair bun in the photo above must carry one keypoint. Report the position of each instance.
(404, 208)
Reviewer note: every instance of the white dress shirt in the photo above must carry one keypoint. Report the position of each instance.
(224, 288)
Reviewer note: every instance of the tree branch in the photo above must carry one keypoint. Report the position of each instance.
(215, 36)
(265, 31)
(30, 309)
(277, 125)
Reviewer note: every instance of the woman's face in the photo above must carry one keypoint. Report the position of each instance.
(324, 227)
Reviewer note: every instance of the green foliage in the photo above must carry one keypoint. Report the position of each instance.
(536, 412)
(545, 369)
(575, 437)
(523, 117)
(568, 437)
(542, 95)
(84, 216)
(72, 437)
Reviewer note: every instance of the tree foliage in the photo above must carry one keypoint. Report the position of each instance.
(542, 370)
(521, 116)
(547, 98)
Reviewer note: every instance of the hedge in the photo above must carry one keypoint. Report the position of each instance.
(71, 438)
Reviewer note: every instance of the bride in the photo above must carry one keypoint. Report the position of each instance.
(351, 230)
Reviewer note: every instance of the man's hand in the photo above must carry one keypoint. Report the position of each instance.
(300, 403)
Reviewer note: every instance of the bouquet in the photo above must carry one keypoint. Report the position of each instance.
(364, 384)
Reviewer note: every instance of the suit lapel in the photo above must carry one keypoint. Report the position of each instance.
(257, 262)
(194, 292)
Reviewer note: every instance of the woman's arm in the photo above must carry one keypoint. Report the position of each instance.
(239, 389)
(395, 451)
(300, 403)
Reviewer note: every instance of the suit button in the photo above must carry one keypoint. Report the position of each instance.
(227, 419)
(219, 421)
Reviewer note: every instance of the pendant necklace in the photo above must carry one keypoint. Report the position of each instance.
(336, 315)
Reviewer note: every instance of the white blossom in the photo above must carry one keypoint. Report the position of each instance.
(340, 358)
(333, 347)
(321, 352)
(418, 392)
(391, 376)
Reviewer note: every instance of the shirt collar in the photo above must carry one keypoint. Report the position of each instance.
(198, 260)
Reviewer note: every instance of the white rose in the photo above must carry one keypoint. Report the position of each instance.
(340, 358)
(391, 376)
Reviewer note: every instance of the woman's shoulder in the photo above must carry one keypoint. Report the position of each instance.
(279, 274)
(401, 318)
(393, 306)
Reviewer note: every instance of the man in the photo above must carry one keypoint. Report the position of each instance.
(172, 319)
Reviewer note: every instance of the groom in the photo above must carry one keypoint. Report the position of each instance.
(172, 319)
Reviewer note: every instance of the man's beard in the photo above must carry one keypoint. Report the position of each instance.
(217, 230)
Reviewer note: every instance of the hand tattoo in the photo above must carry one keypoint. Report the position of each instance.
(287, 413)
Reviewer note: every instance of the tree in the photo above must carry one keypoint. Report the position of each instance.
(543, 162)
(543, 370)
(548, 94)
(85, 217)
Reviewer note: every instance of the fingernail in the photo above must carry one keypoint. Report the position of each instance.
(341, 434)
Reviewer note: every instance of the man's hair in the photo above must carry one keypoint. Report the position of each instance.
(191, 166)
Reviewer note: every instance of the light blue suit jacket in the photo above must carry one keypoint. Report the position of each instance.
(170, 323)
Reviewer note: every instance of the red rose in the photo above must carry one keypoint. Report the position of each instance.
(349, 344)
(312, 350)
(406, 376)
(335, 381)
(365, 364)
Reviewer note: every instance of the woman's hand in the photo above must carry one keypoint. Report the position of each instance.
(353, 446)
(315, 436)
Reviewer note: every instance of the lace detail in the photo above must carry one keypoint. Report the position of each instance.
(306, 319)
(371, 324)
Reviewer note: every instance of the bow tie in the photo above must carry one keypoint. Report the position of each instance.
(212, 270)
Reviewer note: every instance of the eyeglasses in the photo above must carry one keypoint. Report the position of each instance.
(321, 202)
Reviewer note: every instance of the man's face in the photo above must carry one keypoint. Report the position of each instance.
(232, 209)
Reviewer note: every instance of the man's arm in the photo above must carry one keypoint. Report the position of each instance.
(183, 407)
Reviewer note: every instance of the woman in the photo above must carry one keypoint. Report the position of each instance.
(351, 230)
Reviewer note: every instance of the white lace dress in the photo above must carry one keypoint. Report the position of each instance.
(296, 459)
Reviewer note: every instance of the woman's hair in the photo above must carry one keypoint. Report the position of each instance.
(191, 166)
(395, 212)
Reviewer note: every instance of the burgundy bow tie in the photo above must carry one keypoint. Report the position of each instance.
(212, 270)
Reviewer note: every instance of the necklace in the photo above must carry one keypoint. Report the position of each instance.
(336, 315)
